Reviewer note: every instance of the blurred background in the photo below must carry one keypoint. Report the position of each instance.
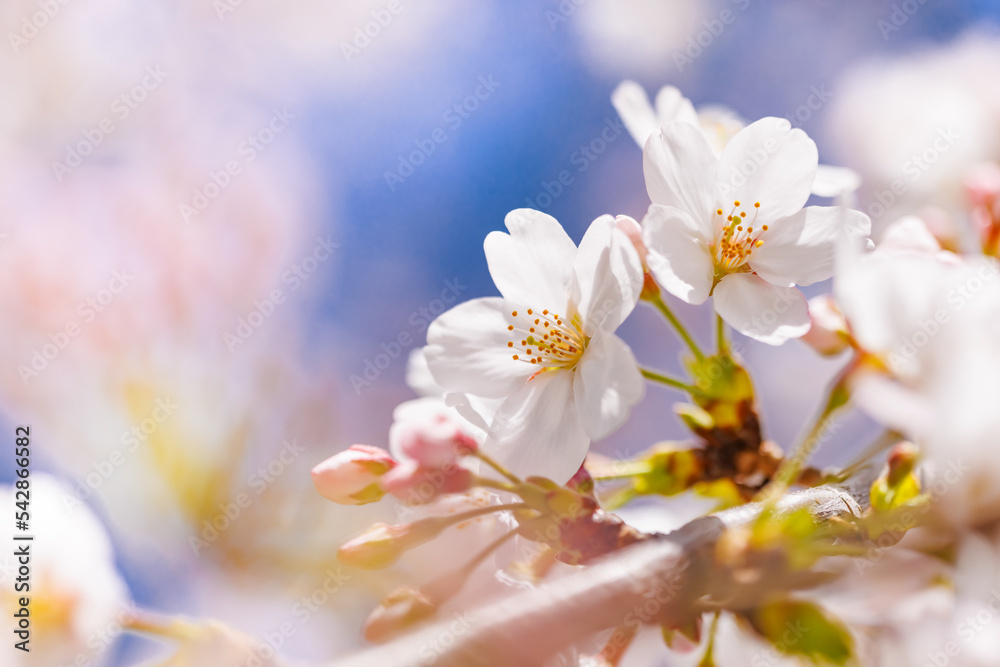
(224, 225)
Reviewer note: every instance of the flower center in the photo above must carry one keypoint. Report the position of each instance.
(545, 339)
(735, 240)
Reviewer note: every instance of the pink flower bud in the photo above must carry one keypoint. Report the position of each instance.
(351, 477)
(429, 432)
(418, 484)
(828, 334)
(381, 545)
(633, 231)
(400, 610)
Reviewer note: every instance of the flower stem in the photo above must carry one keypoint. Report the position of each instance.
(488, 460)
(884, 442)
(494, 484)
(168, 628)
(670, 382)
(481, 511)
(449, 584)
(720, 335)
(837, 397)
(624, 470)
(708, 659)
(661, 306)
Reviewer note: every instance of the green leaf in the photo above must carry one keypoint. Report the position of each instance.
(801, 628)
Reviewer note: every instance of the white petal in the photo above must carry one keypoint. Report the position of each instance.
(533, 264)
(891, 403)
(908, 235)
(672, 106)
(679, 256)
(607, 276)
(607, 384)
(467, 349)
(477, 411)
(679, 167)
(720, 124)
(799, 249)
(760, 310)
(835, 181)
(419, 377)
(537, 431)
(768, 162)
(633, 107)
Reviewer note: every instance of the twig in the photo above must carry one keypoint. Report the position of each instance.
(655, 581)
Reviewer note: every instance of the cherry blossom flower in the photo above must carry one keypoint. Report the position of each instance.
(926, 328)
(547, 348)
(718, 123)
(915, 125)
(642, 120)
(734, 226)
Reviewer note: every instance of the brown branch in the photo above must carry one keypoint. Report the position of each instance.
(654, 581)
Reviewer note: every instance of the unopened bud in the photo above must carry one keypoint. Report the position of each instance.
(417, 484)
(401, 609)
(351, 477)
(430, 432)
(382, 545)
(633, 231)
(902, 460)
(828, 334)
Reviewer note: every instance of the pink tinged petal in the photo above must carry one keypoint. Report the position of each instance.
(672, 106)
(607, 384)
(533, 264)
(760, 310)
(630, 228)
(679, 167)
(537, 430)
(633, 107)
(679, 255)
(908, 236)
(768, 162)
(800, 249)
(607, 276)
(467, 349)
